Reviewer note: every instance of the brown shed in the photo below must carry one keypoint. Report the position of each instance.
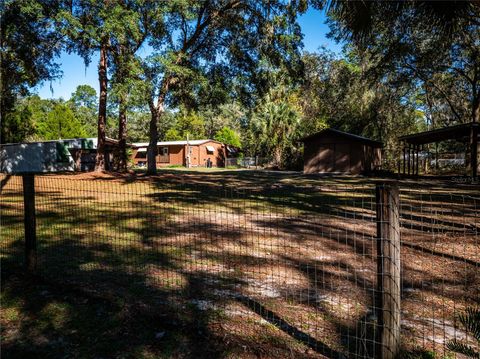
(333, 151)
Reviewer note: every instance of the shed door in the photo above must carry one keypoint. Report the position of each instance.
(342, 157)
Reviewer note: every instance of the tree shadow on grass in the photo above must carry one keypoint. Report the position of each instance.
(85, 244)
(95, 299)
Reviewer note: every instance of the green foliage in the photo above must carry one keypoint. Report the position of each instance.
(84, 105)
(29, 43)
(274, 128)
(137, 125)
(60, 123)
(213, 47)
(84, 96)
(231, 114)
(186, 123)
(471, 322)
(425, 47)
(228, 136)
(173, 135)
(17, 125)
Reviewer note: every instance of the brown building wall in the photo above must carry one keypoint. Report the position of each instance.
(177, 153)
(176, 156)
(217, 157)
(340, 155)
(199, 154)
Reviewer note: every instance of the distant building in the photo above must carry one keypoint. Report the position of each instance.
(193, 153)
(414, 144)
(77, 154)
(333, 151)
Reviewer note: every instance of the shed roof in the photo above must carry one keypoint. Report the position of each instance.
(456, 132)
(351, 136)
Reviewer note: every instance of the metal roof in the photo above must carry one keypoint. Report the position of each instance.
(343, 134)
(457, 132)
(81, 142)
(172, 143)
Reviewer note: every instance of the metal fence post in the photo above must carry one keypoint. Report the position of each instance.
(388, 269)
(30, 222)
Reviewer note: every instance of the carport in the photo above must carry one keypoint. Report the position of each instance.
(414, 143)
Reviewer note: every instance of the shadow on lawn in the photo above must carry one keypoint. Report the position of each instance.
(96, 299)
(58, 320)
(140, 272)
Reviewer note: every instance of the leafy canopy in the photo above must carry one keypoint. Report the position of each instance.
(60, 123)
(426, 47)
(29, 44)
(228, 136)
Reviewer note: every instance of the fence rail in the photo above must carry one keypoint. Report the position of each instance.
(318, 262)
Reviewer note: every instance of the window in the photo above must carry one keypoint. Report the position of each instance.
(163, 151)
(210, 149)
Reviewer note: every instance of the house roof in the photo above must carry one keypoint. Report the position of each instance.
(456, 132)
(72, 143)
(172, 143)
(351, 136)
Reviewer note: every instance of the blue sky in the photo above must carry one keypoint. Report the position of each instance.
(75, 73)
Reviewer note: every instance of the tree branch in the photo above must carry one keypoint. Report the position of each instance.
(445, 96)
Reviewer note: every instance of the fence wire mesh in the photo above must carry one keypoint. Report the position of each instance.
(440, 263)
(285, 266)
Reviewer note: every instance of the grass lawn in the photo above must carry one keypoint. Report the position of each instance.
(229, 263)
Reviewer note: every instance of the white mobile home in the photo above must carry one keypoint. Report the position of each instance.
(36, 157)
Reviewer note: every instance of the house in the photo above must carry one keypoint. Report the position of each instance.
(77, 154)
(193, 153)
(333, 151)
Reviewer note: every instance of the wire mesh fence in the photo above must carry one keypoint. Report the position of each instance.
(289, 265)
(246, 162)
(440, 264)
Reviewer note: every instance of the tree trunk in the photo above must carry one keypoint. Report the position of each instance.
(100, 160)
(476, 108)
(156, 111)
(474, 135)
(152, 145)
(277, 157)
(122, 134)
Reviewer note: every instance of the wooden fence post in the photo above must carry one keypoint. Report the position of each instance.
(30, 222)
(388, 269)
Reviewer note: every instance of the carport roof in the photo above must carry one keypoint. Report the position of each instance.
(457, 132)
(343, 134)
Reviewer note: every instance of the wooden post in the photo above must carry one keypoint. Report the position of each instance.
(474, 150)
(409, 158)
(417, 156)
(388, 270)
(404, 158)
(30, 222)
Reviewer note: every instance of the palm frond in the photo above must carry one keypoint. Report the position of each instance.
(471, 321)
(462, 348)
